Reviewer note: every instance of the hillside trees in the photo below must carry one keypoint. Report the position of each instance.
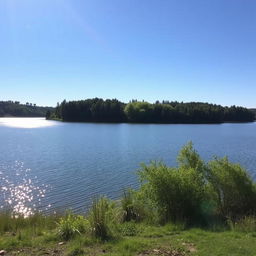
(99, 110)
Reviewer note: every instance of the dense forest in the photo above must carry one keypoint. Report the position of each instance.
(16, 109)
(99, 110)
(254, 111)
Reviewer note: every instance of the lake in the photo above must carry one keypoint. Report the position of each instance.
(53, 166)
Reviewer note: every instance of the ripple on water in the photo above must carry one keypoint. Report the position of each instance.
(20, 192)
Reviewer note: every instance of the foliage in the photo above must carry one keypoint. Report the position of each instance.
(132, 207)
(35, 224)
(10, 108)
(189, 158)
(196, 190)
(245, 224)
(235, 192)
(71, 225)
(90, 110)
(102, 218)
(177, 192)
(128, 206)
(139, 112)
(176, 195)
(99, 110)
(153, 240)
(129, 228)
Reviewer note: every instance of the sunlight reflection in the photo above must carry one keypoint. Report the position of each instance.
(24, 122)
(22, 195)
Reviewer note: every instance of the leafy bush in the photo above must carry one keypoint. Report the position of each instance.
(133, 209)
(176, 192)
(235, 192)
(196, 190)
(189, 158)
(71, 225)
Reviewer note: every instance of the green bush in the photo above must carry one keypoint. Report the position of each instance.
(71, 225)
(189, 158)
(234, 190)
(176, 192)
(198, 191)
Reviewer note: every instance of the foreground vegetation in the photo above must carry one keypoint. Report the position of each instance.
(99, 110)
(16, 109)
(196, 208)
(133, 239)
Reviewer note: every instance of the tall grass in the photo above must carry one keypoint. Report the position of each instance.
(35, 223)
(132, 207)
(103, 218)
(72, 225)
(245, 224)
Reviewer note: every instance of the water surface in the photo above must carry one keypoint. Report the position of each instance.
(49, 165)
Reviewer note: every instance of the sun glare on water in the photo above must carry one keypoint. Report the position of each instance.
(26, 122)
(21, 193)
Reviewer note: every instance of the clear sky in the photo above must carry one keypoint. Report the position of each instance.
(185, 50)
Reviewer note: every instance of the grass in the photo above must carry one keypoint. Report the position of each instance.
(42, 238)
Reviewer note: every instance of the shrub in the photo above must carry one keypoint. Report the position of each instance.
(132, 208)
(127, 205)
(198, 191)
(189, 158)
(234, 190)
(176, 192)
(102, 217)
(71, 225)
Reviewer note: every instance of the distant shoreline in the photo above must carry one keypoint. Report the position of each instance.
(16, 109)
(165, 112)
(102, 122)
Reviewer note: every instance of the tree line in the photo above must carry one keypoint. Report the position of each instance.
(113, 110)
(16, 109)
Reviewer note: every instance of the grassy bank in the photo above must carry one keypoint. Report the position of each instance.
(196, 208)
(40, 236)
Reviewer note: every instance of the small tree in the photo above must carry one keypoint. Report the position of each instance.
(176, 192)
(189, 158)
(234, 189)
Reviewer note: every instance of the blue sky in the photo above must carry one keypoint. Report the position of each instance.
(185, 50)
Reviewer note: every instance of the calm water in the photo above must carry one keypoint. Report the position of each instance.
(48, 165)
